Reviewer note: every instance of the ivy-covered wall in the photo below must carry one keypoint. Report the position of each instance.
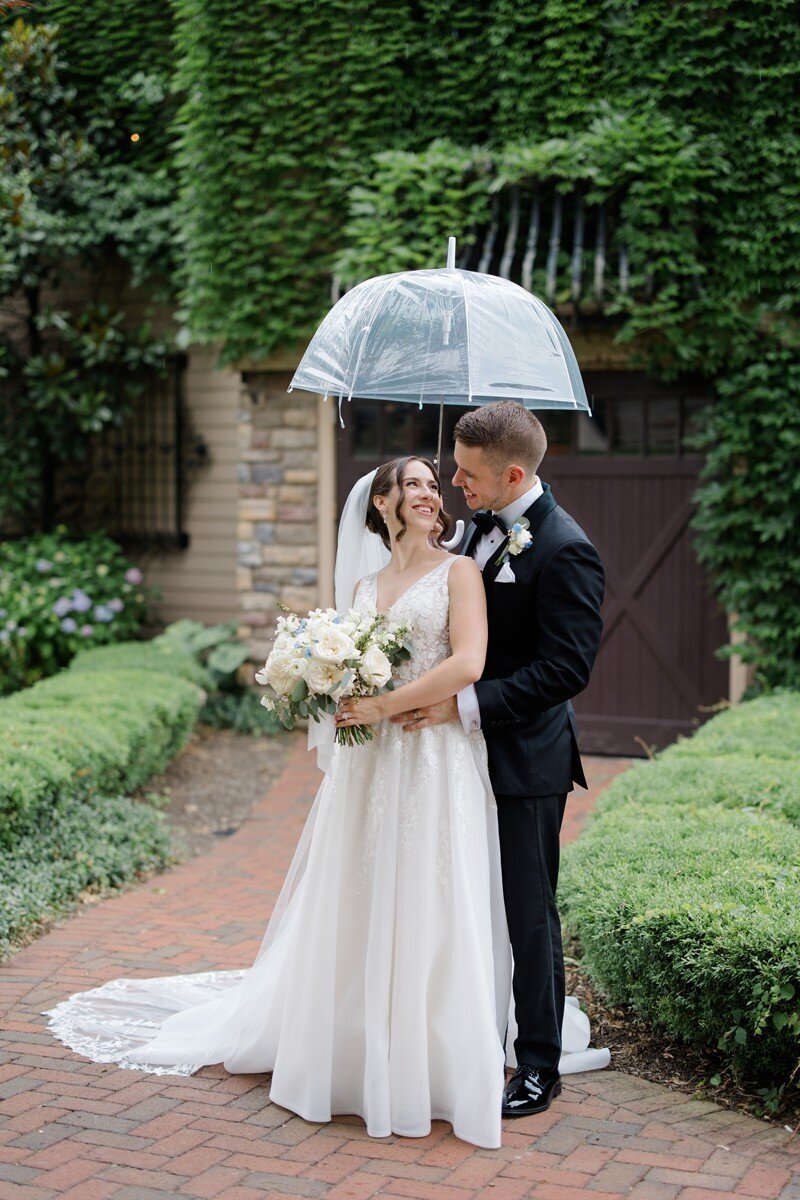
(120, 59)
(302, 142)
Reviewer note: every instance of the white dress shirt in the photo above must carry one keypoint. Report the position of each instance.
(467, 698)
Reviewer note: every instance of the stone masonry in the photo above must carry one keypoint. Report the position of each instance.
(278, 487)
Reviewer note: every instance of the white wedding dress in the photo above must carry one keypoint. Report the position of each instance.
(382, 984)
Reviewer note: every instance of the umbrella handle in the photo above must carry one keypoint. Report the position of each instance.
(455, 540)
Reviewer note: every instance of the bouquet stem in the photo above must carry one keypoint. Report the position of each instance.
(354, 735)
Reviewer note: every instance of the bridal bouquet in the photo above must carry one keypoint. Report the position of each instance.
(318, 659)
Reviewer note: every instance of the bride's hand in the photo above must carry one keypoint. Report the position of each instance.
(359, 710)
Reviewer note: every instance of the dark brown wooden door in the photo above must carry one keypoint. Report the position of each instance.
(624, 478)
(656, 674)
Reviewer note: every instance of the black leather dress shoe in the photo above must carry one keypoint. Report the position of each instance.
(530, 1090)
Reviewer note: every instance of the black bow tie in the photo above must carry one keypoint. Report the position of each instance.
(485, 520)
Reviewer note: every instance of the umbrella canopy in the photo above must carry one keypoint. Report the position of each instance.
(443, 336)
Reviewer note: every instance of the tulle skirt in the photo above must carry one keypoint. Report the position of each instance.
(381, 987)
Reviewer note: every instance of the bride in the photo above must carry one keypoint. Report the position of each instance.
(382, 984)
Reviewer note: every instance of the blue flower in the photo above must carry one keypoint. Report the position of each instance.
(43, 565)
(22, 631)
(103, 613)
(62, 606)
(4, 635)
(80, 601)
(69, 625)
(116, 605)
(3, 613)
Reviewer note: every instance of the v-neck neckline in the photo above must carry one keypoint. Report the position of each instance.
(394, 603)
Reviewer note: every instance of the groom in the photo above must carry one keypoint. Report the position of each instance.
(544, 587)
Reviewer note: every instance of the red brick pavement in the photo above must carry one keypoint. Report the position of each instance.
(88, 1131)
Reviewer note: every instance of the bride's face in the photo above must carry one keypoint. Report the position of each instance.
(419, 500)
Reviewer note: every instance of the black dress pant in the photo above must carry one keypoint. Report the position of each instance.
(529, 850)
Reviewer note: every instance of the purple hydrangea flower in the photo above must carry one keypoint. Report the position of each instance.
(80, 601)
(3, 613)
(62, 606)
(43, 564)
(87, 630)
(103, 613)
(22, 631)
(4, 635)
(116, 605)
(133, 575)
(69, 625)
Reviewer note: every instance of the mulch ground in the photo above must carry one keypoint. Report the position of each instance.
(78, 1130)
(215, 782)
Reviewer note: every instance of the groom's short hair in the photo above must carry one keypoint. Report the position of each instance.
(507, 431)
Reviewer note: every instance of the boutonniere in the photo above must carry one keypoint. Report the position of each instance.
(519, 539)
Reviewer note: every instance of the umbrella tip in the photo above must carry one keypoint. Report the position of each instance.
(451, 253)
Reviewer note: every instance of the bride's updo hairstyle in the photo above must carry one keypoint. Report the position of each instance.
(386, 477)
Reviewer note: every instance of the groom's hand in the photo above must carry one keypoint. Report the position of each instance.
(434, 714)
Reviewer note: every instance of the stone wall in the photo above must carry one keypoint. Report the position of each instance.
(278, 497)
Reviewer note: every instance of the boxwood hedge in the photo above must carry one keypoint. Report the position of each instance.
(69, 746)
(684, 888)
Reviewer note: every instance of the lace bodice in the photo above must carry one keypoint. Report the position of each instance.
(425, 606)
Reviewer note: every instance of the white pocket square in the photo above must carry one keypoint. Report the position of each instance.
(505, 574)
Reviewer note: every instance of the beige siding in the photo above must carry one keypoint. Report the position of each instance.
(200, 581)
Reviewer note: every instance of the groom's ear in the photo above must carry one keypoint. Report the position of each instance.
(515, 474)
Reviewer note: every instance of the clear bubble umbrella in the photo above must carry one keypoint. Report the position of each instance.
(442, 336)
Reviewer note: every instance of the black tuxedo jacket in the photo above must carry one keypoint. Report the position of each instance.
(544, 633)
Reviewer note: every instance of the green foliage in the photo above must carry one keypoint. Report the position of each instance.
(683, 888)
(296, 99)
(768, 727)
(354, 137)
(120, 79)
(213, 647)
(749, 507)
(60, 594)
(401, 220)
(142, 656)
(739, 781)
(692, 919)
(80, 846)
(64, 374)
(84, 733)
(241, 711)
(217, 655)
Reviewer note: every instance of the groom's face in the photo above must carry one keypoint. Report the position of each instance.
(482, 484)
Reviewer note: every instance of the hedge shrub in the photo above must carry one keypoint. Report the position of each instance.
(67, 746)
(83, 846)
(768, 727)
(88, 732)
(142, 656)
(683, 888)
(739, 781)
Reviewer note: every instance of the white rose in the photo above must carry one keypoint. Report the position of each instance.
(322, 677)
(375, 668)
(333, 646)
(283, 669)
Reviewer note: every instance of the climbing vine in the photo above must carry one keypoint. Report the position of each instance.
(282, 145)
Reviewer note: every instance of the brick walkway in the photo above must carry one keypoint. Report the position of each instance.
(84, 1131)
